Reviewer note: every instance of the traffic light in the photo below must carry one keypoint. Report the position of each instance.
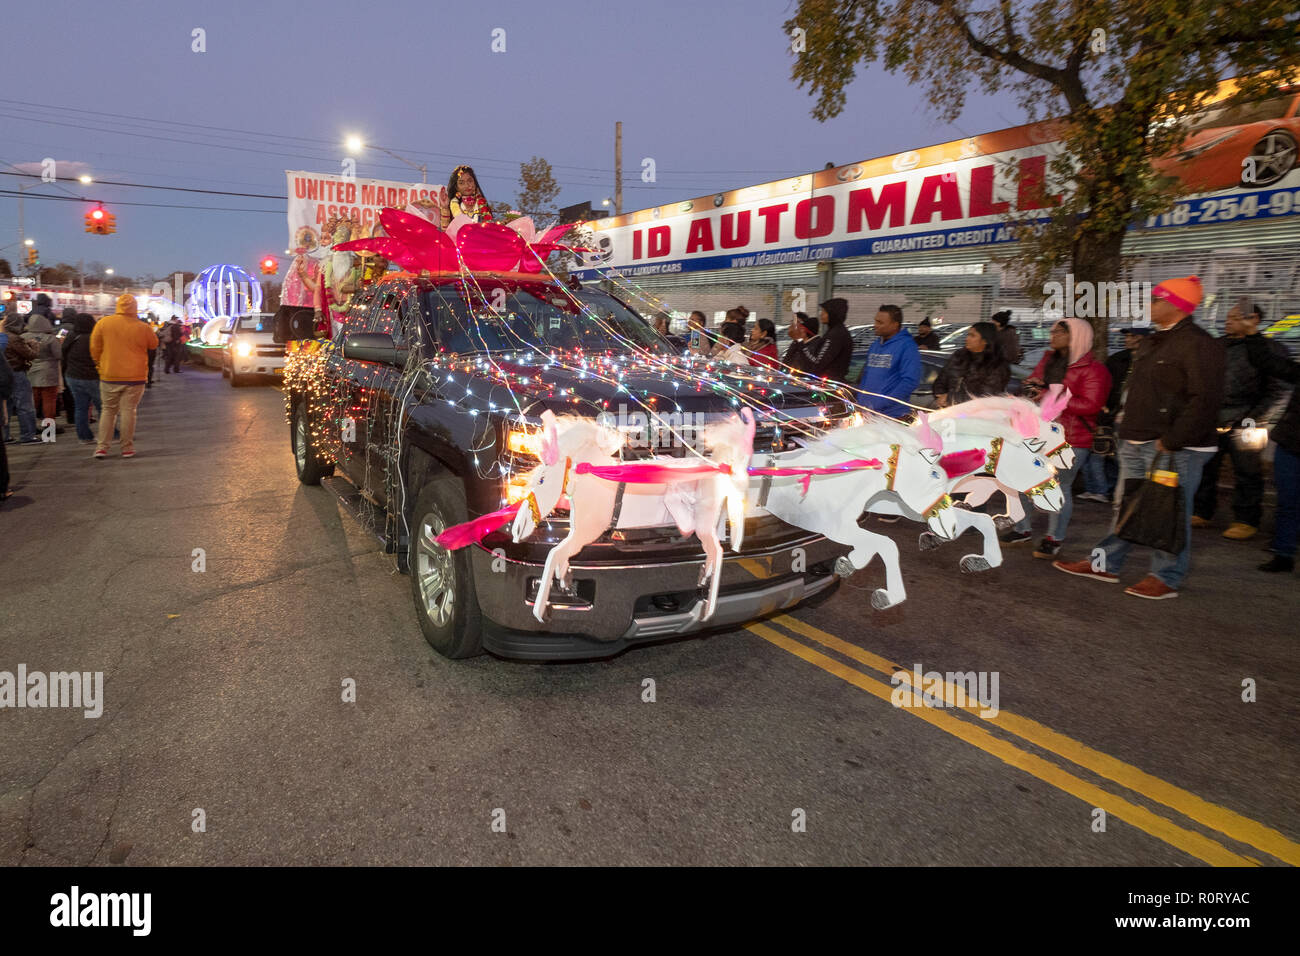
(100, 221)
(269, 266)
(33, 257)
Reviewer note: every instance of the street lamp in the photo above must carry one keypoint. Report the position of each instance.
(355, 144)
(85, 179)
(29, 242)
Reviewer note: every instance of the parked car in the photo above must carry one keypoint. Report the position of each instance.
(411, 404)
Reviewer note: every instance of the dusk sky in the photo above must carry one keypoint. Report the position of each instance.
(702, 88)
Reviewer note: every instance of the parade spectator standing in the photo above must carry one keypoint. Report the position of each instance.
(1248, 393)
(1068, 362)
(65, 323)
(120, 345)
(19, 354)
(1008, 337)
(81, 375)
(1102, 470)
(975, 370)
(6, 392)
(805, 342)
(836, 349)
(731, 348)
(701, 339)
(1286, 457)
(893, 367)
(762, 344)
(173, 339)
(1174, 393)
(44, 370)
(926, 337)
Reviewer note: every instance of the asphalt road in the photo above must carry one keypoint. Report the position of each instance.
(223, 694)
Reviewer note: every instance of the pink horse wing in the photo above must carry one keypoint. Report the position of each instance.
(472, 532)
(649, 474)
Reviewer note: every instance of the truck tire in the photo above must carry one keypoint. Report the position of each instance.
(442, 585)
(311, 467)
(235, 380)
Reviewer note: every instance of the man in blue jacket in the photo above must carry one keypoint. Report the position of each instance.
(893, 365)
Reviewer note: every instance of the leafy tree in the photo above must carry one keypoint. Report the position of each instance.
(60, 274)
(537, 191)
(1119, 74)
(6, 269)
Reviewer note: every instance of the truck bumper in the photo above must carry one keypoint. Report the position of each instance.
(613, 607)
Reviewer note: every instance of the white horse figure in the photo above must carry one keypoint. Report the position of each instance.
(830, 505)
(578, 461)
(1008, 462)
(1037, 431)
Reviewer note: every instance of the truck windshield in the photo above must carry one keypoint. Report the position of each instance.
(533, 316)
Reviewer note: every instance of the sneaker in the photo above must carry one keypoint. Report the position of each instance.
(1199, 522)
(30, 441)
(128, 454)
(1152, 588)
(1240, 531)
(86, 441)
(1094, 496)
(1015, 537)
(101, 454)
(1084, 569)
(1279, 564)
(1049, 548)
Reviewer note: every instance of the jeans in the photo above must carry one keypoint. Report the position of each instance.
(85, 391)
(1247, 483)
(1057, 522)
(172, 356)
(1286, 475)
(117, 395)
(1099, 475)
(1134, 462)
(21, 404)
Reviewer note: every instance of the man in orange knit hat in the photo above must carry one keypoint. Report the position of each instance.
(120, 347)
(1171, 409)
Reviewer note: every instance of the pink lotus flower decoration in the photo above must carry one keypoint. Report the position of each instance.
(416, 244)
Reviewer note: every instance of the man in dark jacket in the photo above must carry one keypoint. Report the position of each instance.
(925, 336)
(1168, 425)
(81, 375)
(836, 351)
(805, 342)
(1286, 458)
(1252, 396)
(1008, 337)
(19, 354)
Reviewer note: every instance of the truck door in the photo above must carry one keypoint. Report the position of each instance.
(384, 392)
(350, 402)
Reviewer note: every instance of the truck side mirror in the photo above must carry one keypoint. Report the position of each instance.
(374, 347)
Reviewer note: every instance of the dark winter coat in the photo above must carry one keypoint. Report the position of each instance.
(972, 375)
(1119, 364)
(836, 351)
(1175, 389)
(1287, 430)
(800, 355)
(19, 352)
(77, 362)
(1247, 391)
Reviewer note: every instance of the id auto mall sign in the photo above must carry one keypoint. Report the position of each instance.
(942, 197)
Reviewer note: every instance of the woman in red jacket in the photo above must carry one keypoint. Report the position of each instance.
(1068, 361)
(762, 344)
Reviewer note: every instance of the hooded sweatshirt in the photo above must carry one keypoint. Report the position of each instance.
(44, 371)
(77, 362)
(1087, 380)
(120, 345)
(894, 369)
(973, 374)
(836, 348)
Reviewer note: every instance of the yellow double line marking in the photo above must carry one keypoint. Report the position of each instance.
(1217, 818)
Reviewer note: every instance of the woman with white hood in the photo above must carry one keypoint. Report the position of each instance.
(1068, 361)
(44, 373)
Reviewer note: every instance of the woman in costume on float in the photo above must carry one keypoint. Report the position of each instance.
(464, 198)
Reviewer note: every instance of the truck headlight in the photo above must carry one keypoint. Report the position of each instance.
(243, 349)
(522, 441)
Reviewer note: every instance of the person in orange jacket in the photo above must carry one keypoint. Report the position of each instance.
(120, 346)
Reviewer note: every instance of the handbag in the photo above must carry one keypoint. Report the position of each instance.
(1153, 510)
(1103, 441)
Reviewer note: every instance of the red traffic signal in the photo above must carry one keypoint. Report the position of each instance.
(100, 222)
(269, 266)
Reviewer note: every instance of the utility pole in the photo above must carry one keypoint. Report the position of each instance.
(618, 168)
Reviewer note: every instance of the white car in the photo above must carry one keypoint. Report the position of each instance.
(250, 349)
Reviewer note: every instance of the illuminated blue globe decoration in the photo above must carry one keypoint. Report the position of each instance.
(220, 291)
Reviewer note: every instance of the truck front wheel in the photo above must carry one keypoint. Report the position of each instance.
(307, 460)
(441, 580)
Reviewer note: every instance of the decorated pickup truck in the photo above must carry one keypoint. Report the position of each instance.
(559, 482)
